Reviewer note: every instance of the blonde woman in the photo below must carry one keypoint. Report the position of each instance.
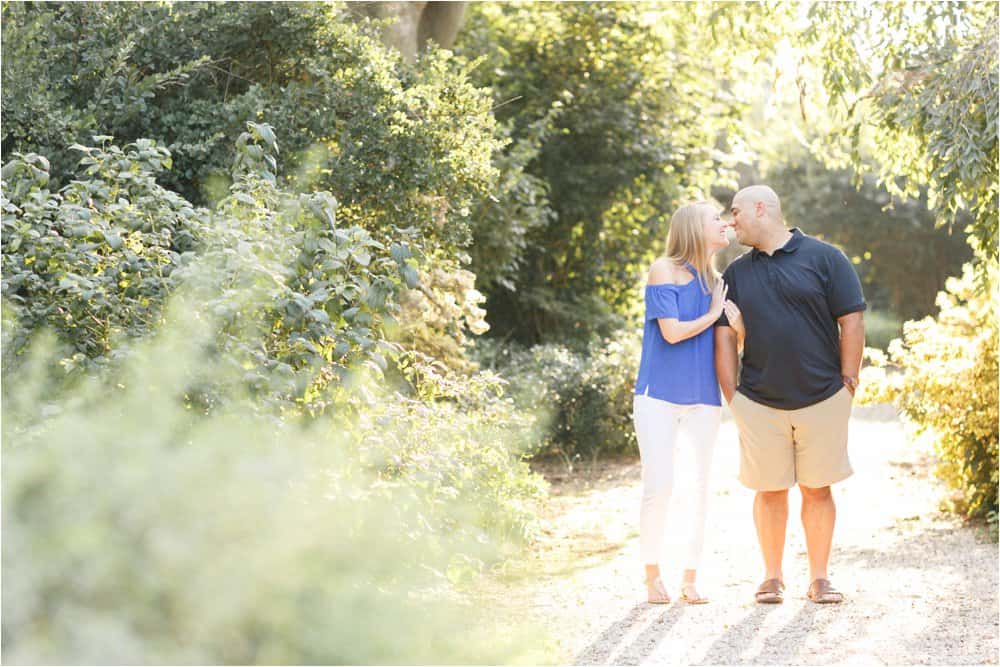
(677, 390)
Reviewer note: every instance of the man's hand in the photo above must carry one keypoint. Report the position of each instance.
(852, 346)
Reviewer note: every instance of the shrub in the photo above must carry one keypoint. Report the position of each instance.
(93, 261)
(459, 442)
(139, 531)
(231, 479)
(407, 149)
(436, 316)
(96, 261)
(323, 294)
(948, 389)
(584, 399)
(401, 145)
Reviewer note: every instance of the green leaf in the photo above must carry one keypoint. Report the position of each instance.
(410, 276)
(113, 240)
(399, 252)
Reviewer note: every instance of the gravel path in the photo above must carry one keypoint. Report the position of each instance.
(920, 588)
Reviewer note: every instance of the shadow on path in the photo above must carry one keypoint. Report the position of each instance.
(728, 648)
(604, 646)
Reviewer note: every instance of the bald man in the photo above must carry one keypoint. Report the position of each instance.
(802, 310)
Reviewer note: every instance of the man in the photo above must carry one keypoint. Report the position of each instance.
(801, 306)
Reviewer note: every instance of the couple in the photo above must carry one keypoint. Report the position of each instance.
(794, 313)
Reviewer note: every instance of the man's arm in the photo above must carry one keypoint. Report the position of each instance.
(852, 347)
(726, 360)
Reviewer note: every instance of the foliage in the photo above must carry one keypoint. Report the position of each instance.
(138, 530)
(402, 146)
(948, 388)
(922, 79)
(323, 292)
(327, 291)
(622, 105)
(436, 314)
(95, 260)
(587, 397)
(886, 239)
(518, 205)
(458, 445)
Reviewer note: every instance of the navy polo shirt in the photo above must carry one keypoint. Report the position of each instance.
(790, 303)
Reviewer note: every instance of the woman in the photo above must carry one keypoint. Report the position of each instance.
(677, 389)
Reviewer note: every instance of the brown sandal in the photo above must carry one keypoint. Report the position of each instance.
(822, 591)
(770, 592)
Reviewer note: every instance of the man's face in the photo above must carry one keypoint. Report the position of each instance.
(743, 222)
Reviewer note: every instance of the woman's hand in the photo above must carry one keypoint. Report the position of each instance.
(718, 299)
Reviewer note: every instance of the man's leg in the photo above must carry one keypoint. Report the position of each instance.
(819, 513)
(770, 515)
(767, 461)
(821, 460)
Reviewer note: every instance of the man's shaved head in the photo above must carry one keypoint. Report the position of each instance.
(757, 217)
(749, 197)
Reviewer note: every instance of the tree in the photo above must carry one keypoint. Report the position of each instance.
(623, 106)
(922, 79)
(411, 26)
(406, 149)
(901, 255)
(410, 145)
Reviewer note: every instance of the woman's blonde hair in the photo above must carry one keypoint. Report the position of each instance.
(686, 242)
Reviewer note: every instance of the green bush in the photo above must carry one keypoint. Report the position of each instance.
(96, 261)
(458, 442)
(407, 149)
(227, 473)
(948, 389)
(137, 530)
(402, 146)
(584, 399)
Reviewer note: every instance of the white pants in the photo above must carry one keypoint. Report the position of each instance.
(658, 425)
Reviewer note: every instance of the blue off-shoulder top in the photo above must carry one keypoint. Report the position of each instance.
(684, 372)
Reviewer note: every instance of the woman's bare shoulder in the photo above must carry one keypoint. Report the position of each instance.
(665, 272)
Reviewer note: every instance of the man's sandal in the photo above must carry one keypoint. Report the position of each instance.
(770, 592)
(690, 594)
(657, 591)
(822, 591)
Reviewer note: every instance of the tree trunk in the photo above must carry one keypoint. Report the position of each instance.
(414, 24)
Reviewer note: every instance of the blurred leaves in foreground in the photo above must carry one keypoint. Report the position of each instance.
(208, 456)
(140, 530)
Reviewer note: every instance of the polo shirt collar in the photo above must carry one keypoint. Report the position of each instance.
(791, 246)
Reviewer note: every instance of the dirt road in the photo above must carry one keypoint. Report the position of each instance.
(920, 587)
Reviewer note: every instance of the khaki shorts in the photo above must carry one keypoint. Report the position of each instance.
(782, 448)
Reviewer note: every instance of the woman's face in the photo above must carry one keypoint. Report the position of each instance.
(715, 229)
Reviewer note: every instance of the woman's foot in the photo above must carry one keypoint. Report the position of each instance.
(657, 592)
(689, 594)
